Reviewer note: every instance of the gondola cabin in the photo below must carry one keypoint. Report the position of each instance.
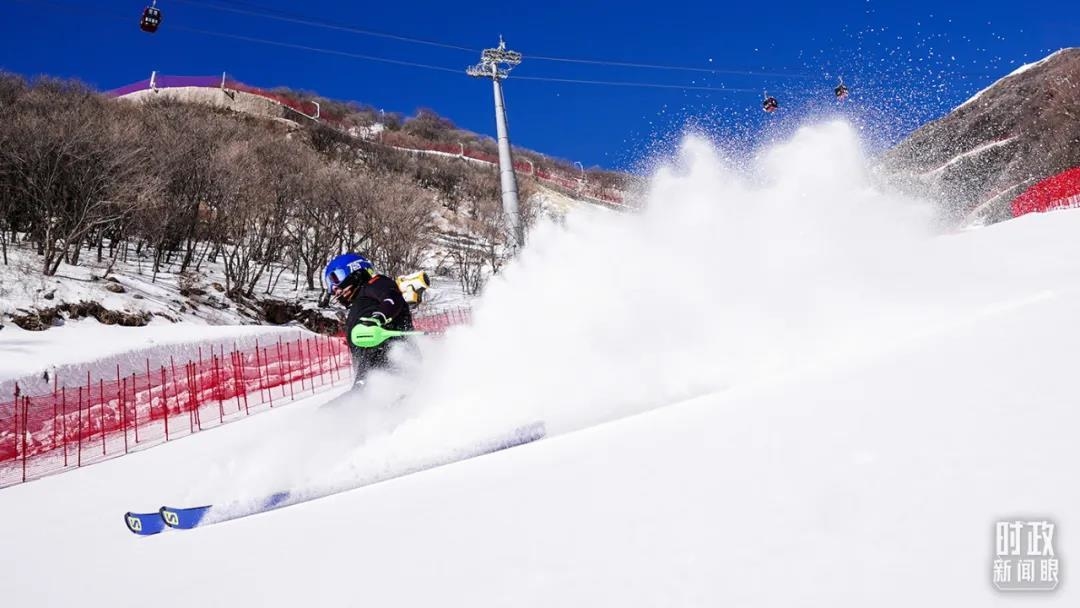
(770, 105)
(151, 19)
(841, 92)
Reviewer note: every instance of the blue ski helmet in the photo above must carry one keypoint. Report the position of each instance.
(342, 266)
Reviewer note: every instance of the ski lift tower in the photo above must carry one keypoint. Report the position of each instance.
(496, 64)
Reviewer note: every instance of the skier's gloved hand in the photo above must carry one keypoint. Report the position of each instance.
(377, 318)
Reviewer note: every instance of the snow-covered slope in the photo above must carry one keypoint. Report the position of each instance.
(195, 296)
(791, 398)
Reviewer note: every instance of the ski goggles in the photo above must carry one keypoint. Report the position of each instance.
(337, 276)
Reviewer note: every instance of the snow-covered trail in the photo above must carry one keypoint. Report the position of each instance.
(837, 412)
(878, 486)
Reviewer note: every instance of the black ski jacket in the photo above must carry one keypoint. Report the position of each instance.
(378, 294)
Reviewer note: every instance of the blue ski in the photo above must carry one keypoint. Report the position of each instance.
(193, 517)
(144, 524)
(183, 518)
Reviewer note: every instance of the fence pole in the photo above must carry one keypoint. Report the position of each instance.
(331, 359)
(337, 355)
(63, 422)
(198, 394)
(101, 412)
(309, 358)
(326, 358)
(190, 394)
(135, 408)
(234, 358)
(288, 360)
(258, 366)
(281, 373)
(176, 394)
(342, 354)
(242, 363)
(217, 386)
(197, 388)
(121, 386)
(336, 350)
(236, 377)
(25, 420)
(54, 411)
(265, 374)
(15, 417)
(331, 351)
(318, 359)
(165, 402)
(78, 460)
(268, 375)
(89, 405)
(300, 357)
(121, 404)
(241, 380)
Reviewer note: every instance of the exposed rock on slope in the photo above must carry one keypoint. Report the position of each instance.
(977, 159)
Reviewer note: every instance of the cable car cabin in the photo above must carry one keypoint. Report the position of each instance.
(841, 92)
(770, 104)
(151, 19)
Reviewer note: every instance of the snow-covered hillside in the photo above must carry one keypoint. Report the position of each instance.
(794, 393)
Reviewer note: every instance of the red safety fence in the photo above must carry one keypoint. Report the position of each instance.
(439, 322)
(108, 417)
(576, 185)
(75, 426)
(1061, 191)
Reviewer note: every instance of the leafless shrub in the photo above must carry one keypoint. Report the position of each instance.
(73, 167)
(468, 259)
(179, 183)
(401, 225)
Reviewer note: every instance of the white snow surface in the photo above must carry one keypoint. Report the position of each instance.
(796, 394)
(79, 346)
(23, 287)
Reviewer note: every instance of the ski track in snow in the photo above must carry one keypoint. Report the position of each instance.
(970, 153)
(855, 403)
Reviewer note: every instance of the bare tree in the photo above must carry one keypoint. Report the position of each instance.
(468, 258)
(11, 89)
(181, 183)
(401, 224)
(75, 169)
(317, 229)
(183, 140)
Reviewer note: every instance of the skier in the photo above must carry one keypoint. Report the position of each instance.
(372, 299)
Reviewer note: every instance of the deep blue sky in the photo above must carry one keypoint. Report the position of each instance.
(905, 62)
